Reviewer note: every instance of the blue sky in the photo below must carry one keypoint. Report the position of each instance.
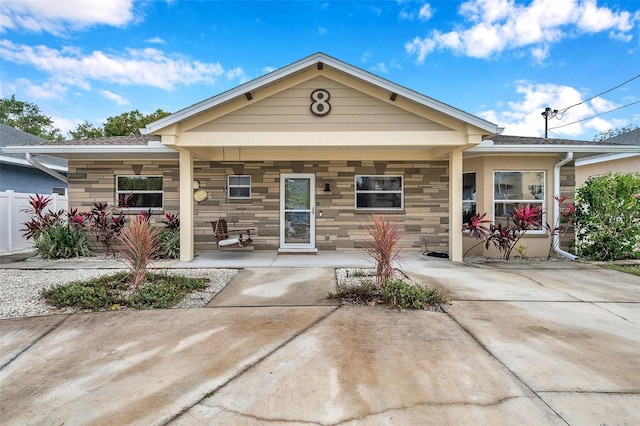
(502, 60)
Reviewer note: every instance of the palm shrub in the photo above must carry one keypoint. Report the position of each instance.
(139, 247)
(607, 217)
(383, 248)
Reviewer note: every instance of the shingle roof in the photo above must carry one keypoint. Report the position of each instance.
(528, 140)
(10, 136)
(627, 138)
(110, 140)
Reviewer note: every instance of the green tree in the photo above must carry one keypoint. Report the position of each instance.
(28, 118)
(607, 217)
(130, 123)
(86, 130)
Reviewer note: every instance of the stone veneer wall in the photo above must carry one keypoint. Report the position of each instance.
(95, 181)
(426, 195)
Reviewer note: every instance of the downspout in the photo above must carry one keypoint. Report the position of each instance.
(556, 209)
(45, 169)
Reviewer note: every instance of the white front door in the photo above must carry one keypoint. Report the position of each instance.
(297, 212)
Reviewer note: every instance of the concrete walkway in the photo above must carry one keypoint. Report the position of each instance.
(533, 344)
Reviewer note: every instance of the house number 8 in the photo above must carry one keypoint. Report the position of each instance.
(320, 102)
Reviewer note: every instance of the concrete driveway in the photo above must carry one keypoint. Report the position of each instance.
(528, 345)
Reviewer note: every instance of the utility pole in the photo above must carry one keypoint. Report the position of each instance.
(548, 114)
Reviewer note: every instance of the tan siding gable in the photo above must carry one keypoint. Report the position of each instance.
(289, 111)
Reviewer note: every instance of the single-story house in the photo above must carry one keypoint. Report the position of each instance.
(619, 162)
(305, 154)
(44, 174)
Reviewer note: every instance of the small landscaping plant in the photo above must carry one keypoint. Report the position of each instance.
(140, 245)
(112, 292)
(56, 235)
(383, 248)
(170, 237)
(105, 225)
(503, 237)
(394, 292)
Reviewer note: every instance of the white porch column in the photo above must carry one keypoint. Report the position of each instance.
(186, 205)
(455, 205)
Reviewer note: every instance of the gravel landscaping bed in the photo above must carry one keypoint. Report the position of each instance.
(20, 289)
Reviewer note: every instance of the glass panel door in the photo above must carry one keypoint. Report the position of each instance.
(297, 211)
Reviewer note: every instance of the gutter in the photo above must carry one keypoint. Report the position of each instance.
(42, 167)
(556, 210)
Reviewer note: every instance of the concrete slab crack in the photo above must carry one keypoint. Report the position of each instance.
(253, 365)
(26, 348)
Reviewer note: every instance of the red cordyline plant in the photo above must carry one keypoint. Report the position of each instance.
(503, 237)
(40, 221)
(105, 225)
(140, 245)
(383, 249)
(562, 225)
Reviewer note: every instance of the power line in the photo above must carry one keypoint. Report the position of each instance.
(597, 115)
(599, 94)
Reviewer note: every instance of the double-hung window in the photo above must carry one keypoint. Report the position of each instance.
(468, 196)
(139, 192)
(379, 192)
(516, 189)
(238, 187)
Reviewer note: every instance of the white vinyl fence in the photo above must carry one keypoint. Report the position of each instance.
(12, 217)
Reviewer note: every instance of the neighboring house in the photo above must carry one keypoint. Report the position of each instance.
(307, 153)
(36, 174)
(603, 164)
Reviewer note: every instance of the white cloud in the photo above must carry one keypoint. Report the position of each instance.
(322, 31)
(494, 26)
(409, 13)
(425, 13)
(524, 117)
(156, 40)
(57, 16)
(380, 67)
(119, 100)
(142, 67)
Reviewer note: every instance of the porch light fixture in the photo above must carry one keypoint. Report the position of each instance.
(393, 96)
(248, 95)
(327, 187)
(137, 169)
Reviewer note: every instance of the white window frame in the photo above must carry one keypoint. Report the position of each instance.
(146, 191)
(533, 203)
(399, 191)
(229, 186)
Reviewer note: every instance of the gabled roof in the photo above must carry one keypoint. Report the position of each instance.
(10, 136)
(316, 60)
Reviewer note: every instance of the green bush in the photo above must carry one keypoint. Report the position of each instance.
(62, 242)
(169, 244)
(164, 291)
(400, 294)
(160, 291)
(78, 295)
(608, 217)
